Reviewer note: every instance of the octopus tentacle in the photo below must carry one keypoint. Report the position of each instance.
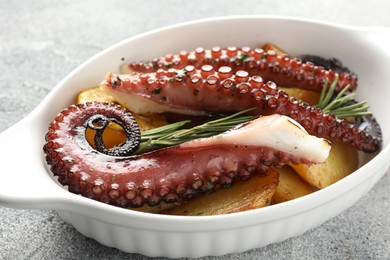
(283, 70)
(173, 173)
(194, 91)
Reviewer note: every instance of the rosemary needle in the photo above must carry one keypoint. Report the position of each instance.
(339, 105)
(173, 134)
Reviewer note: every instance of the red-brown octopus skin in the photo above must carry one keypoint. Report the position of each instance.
(283, 70)
(196, 91)
(168, 175)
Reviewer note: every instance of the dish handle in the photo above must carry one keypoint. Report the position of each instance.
(24, 182)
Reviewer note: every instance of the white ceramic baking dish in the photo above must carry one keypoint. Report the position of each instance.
(364, 50)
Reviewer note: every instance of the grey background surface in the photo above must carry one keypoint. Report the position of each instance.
(42, 41)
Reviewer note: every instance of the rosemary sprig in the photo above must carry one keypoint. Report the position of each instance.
(338, 106)
(173, 134)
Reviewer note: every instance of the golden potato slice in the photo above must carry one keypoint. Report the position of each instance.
(291, 186)
(150, 121)
(342, 161)
(163, 207)
(114, 135)
(145, 122)
(111, 137)
(254, 193)
(308, 96)
(94, 94)
(273, 47)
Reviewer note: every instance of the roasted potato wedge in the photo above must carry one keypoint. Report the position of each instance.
(159, 209)
(254, 193)
(145, 122)
(114, 135)
(111, 137)
(342, 161)
(273, 47)
(308, 96)
(291, 186)
(94, 94)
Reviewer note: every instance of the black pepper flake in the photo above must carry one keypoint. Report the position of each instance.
(156, 91)
(196, 91)
(115, 84)
(123, 58)
(164, 98)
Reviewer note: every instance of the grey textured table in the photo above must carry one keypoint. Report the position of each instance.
(42, 41)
